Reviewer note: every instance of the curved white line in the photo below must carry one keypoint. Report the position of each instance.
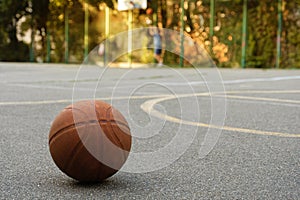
(148, 107)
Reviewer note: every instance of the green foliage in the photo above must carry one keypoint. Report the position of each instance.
(291, 38)
(47, 18)
(95, 3)
(11, 11)
(262, 34)
(16, 18)
(56, 29)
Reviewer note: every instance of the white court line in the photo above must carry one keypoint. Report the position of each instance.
(221, 94)
(238, 81)
(259, 98)
(74, 100)
(280, 78)
(39, 86)
(262, 91)
(148, 107)
(268, 103)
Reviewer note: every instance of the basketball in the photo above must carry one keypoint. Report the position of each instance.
(89, 140)
(149, 11)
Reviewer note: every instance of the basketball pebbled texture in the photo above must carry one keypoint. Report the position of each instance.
(89, 140)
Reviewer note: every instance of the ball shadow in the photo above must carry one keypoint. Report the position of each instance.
(112, 183)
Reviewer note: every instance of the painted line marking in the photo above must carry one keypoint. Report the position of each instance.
(259, 98)
(238, 81)
(251, 80)
(221, 94)
(262, 91)
(148, 107)
(74, 100)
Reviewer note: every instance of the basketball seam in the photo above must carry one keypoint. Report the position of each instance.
(112, 130)
(114, 134)
(73, 154)
(80, 124)
(74, 108)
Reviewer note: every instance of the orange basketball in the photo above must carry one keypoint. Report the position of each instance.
(89, 140)
(149, 11)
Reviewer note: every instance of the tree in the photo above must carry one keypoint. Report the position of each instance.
(39, 16)
(11, 12)
(16, 18)
(56, 25)
(47, 18)
(290, 35)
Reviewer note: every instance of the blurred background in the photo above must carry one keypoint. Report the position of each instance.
(236, 33)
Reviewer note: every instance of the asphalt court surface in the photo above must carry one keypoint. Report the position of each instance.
(248, 121)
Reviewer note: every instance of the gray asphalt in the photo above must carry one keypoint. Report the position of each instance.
(249, 160)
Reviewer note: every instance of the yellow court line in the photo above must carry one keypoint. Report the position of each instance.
(226, 128)
(148, 107)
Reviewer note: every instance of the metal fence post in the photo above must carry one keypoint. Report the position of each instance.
(211, 25)
(279, 31)
(66, 35)
(86, 30)
(182, 34)
(48, 57)
(244, 34)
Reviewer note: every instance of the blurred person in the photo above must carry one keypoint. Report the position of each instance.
(156, 33)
